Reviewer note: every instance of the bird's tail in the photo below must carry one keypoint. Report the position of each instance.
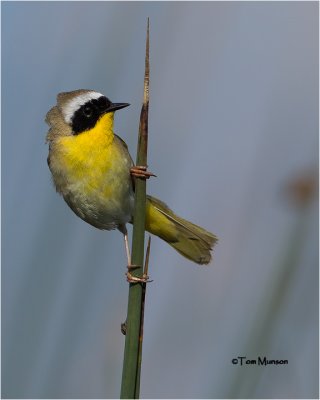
(190, 240)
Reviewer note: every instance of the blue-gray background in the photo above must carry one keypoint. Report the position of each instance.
(233, 120)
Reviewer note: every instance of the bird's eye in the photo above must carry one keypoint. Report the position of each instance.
(87, 111)
(103, 103)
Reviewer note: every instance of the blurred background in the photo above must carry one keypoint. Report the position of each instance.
(234, 142)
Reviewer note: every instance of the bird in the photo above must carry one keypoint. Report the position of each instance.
(92, 169)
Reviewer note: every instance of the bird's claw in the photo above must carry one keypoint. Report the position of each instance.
(140, 171)
(145, 277)
(135, 279)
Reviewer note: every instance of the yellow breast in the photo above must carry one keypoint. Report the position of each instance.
(90, 156)
(92, 172)
(88, 152)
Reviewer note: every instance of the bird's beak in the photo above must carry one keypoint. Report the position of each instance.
(116, 106)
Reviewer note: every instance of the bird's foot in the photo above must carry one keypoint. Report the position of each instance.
(136, 279)
(140, 171)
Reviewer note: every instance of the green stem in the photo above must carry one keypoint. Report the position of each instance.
(143, 300)
(132, 353)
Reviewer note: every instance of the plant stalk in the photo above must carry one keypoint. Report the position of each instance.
(130, 384)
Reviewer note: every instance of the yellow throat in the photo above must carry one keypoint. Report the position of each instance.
(90, 149)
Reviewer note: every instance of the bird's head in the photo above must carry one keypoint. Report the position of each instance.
(80, 111)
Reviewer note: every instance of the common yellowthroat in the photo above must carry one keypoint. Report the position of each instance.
(92, 169)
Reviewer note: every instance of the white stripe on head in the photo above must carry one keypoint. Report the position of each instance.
(73, 105)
